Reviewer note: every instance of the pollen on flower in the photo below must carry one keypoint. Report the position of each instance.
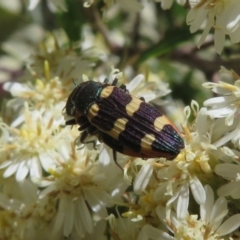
(190, 229)
(78, 184)
(74, 175)
(33, 145)
(215, 14)
(35, 136)
(191, 159)
(45, 93)
(228, 86)
(47, 70)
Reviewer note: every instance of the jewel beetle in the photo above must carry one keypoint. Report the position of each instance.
(125, 123)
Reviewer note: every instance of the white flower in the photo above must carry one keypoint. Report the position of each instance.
(184, 172)
(230, 172)
(168, 183)
(229, 155)
(225, 107)
(45, 97)
(187, 170)
(32, 147)
(143, 177)
(222, 15)
(83, 189)
(49, 79)
(209, 226)
(176, 190)
(22, 215)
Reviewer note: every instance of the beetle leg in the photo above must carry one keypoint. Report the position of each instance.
(83, 136)
(112, 143)
(106, 80)
(83, 122)
(92, 130)
(94, 143)
(71, 122)
(115, 81)
(124, 88)
(142, 98)
(84, 126)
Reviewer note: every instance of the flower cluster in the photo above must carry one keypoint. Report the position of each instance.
(221, 15)
(51, 183)
(52, 186)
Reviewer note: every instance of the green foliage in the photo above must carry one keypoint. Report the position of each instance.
(72, 21)
(9, 23)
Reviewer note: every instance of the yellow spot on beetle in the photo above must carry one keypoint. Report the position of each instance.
(160, 122)
(119, 126)
(146, 141)
(93, 111)
(106, 92)
(133, 106)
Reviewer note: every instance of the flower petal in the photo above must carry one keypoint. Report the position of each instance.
(183, 201)
(22, 171)
(69, 217)
(11, 170)
(85, 215)
(227, 170)
(228, 188)
(142, 179)
(207, 206)
(229, 225)
(197, 190)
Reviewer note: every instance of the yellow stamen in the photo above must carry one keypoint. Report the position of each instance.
(54, 173)
(228, 86)
(46, 69)
(39, 84)
(187, 133)
(24, 133)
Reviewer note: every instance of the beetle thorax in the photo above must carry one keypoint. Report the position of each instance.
(86, 95)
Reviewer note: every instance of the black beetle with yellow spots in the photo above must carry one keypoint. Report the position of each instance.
(125, 123)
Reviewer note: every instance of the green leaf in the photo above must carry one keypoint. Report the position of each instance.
(173, 39)
(72, 20)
